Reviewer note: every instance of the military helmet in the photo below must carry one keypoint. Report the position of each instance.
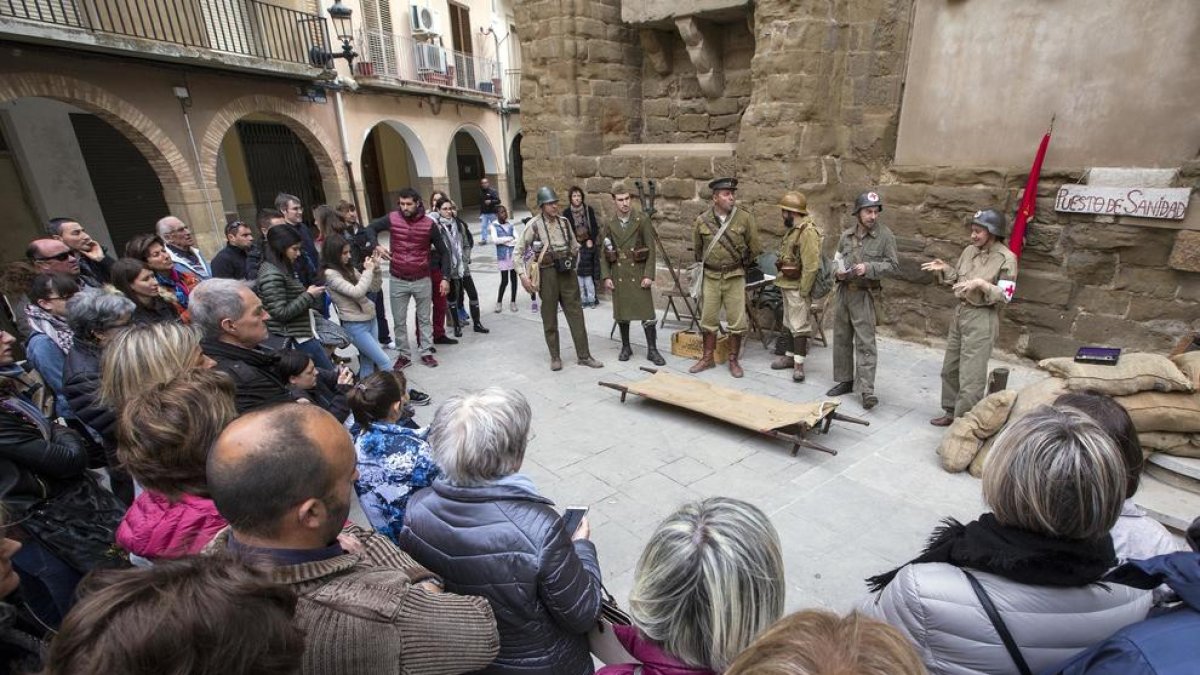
(993, 221)
(867, 199)
(795, 202)
(545, 195)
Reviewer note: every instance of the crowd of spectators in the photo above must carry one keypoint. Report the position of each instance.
(181, 450)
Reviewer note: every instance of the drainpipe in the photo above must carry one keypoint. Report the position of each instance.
(346, 161)
(185, 100)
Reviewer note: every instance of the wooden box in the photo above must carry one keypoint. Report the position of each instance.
(689, 345)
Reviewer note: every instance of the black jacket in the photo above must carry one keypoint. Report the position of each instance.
(589, 258)
(253, 373)
(509, 546)
(307, 265)
(30, 464)
(489, 199)
(159, 311)
(229, 263)
(81, 385)
(93, 272)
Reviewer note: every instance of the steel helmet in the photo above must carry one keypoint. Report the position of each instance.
(795, 202)
(545, 195)
(866, 199)
(993, 221)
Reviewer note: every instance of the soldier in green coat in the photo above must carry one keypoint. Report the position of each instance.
(627, 267)
(798, 264)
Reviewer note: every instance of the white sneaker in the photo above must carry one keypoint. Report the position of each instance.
(512, 306)
(499, 307)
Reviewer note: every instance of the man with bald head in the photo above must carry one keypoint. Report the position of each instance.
(283, 477)
(181, 245)
(51, 256)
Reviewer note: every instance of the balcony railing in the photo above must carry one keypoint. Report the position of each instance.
(242, 27)
(512, 84)
(396, 57)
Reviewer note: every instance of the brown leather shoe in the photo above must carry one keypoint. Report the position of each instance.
(735, 348)
(943, 421)
(782, 362)
(706, 361)
(798, 373)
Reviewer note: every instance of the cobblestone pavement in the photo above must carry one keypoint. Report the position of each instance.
(840, 518)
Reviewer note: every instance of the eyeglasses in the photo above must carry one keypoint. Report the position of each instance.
(61, 257)
(60, 297)
(185, 228)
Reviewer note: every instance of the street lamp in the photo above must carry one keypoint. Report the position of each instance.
(343, 27)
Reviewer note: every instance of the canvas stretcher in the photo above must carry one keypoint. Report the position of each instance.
(783, 420)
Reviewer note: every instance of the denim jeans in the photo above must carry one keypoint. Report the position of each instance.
(486, 220)
(365, 336)
(587, 289)
(316, 350)
(47, 583)
(421, 291)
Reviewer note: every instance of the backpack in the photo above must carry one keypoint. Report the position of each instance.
(825, 279)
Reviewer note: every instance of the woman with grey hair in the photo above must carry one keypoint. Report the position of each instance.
(487, 531)
(95, 316)
(1017, 590)
(709, 581)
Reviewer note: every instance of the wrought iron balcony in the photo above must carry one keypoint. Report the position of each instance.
(401, 59)
(248, 28)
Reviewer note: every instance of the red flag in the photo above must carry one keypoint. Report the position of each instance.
(1029, 200)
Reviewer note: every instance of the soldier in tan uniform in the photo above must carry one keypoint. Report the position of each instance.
(554, 250)
(725, 240)
(798, 263)
(866, 253)
(983, 280)
(627, 266)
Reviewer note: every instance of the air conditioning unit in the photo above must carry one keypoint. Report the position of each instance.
(431, 58)
(423, 20)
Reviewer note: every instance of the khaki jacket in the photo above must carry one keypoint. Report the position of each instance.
(876, 250)
(561, 238)
(801, 246)
(740, 243)
(992, 263)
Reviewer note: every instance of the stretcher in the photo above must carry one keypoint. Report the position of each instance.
(782, 420)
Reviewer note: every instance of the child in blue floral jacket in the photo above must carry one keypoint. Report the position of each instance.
(394, 461)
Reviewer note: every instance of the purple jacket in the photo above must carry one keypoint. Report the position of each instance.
(652, 658)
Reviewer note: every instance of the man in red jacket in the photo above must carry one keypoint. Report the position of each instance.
(413, 238)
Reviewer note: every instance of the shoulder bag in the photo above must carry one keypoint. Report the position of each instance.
(534, 272)
(697, 290)
(1006, 637)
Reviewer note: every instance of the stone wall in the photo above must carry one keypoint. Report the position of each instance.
(826, 82)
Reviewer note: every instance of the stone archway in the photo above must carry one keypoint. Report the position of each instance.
(486, 152)
(392, 157)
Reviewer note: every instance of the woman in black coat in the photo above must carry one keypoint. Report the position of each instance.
(583, 221)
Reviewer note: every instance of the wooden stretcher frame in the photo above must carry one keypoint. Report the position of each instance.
(795, 433)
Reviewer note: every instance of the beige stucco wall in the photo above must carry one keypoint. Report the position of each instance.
(984, 79)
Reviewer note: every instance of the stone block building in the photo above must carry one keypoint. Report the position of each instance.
(940, 104)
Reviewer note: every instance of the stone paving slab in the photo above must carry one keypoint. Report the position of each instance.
(840, 518)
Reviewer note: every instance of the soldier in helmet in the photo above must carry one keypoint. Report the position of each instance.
(627, 265)
(554, 251)
(725, 240)
(983, 281)
(866, 254)
(798, 263)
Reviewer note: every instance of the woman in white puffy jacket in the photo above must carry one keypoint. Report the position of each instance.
(1055, 482)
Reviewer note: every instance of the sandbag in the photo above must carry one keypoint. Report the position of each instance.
(1180, 445)
(976, 467)
(959, 446)
(1156, 411)
(1134, 373)
(1189, 364)
(989, 415)
(1042, 392)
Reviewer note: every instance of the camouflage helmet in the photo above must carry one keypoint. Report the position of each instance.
(993, 221)
(866, 199)
(545, 195)
(795, 202)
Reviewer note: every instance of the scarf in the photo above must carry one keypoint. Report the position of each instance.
(53, 327)
(454, 243)
(173, 282)
(1018, 555)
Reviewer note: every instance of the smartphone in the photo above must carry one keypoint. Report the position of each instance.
(572, 517)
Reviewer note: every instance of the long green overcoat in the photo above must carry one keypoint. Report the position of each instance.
(631, 302)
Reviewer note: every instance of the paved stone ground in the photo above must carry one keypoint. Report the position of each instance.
(840, 518)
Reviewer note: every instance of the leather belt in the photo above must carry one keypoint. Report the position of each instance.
(401, 277)
(722, 268)
(862, 285)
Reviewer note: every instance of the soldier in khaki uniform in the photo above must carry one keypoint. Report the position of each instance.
(798, 264)
(867, 253)
(725, 258)
(983, 280)
(554, 251)
(627, 266)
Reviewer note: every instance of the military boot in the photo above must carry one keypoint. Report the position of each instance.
(735, 347)
(652, 345)
(783, 351)
(798, 357)
(626, 350)
(706, 361)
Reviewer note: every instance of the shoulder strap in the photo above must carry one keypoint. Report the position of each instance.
(998, 623)
(716, 237)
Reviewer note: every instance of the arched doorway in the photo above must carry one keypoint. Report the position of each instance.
(517, 179)
(392, 159)
(59, 159)
(261, 157)
(469, 159)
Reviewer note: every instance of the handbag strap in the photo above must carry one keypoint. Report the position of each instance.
(998, 623)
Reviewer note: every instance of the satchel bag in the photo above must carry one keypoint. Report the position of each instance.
(697, 269)
(534, 272)
(610, 611)
(329, 333)
(79, 525)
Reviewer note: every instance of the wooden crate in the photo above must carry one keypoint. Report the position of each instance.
(689, 345)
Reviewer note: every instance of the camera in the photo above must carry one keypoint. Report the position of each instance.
(564, 264)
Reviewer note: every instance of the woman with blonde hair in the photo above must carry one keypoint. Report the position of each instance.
(144, 355)
(709, 581)
(819, 642)
(1018, 590)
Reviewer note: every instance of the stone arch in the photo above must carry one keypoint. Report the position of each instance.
(174, 172)
(295, 117)
(419, 155)
(486, 151)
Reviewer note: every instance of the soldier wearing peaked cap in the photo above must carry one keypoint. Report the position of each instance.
(725, 241)
(983, 281)
(627, 265)
(866, 253)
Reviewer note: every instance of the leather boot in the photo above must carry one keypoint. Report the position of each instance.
(735, 348)
(652, 342)
(452, 312)
(475, 320)
(801, 344)
(706, 361)
(783, 351)
(626, 350)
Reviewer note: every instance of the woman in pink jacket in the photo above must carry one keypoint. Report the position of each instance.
(163, 438)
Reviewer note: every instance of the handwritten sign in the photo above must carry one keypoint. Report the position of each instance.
(1165, 203)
